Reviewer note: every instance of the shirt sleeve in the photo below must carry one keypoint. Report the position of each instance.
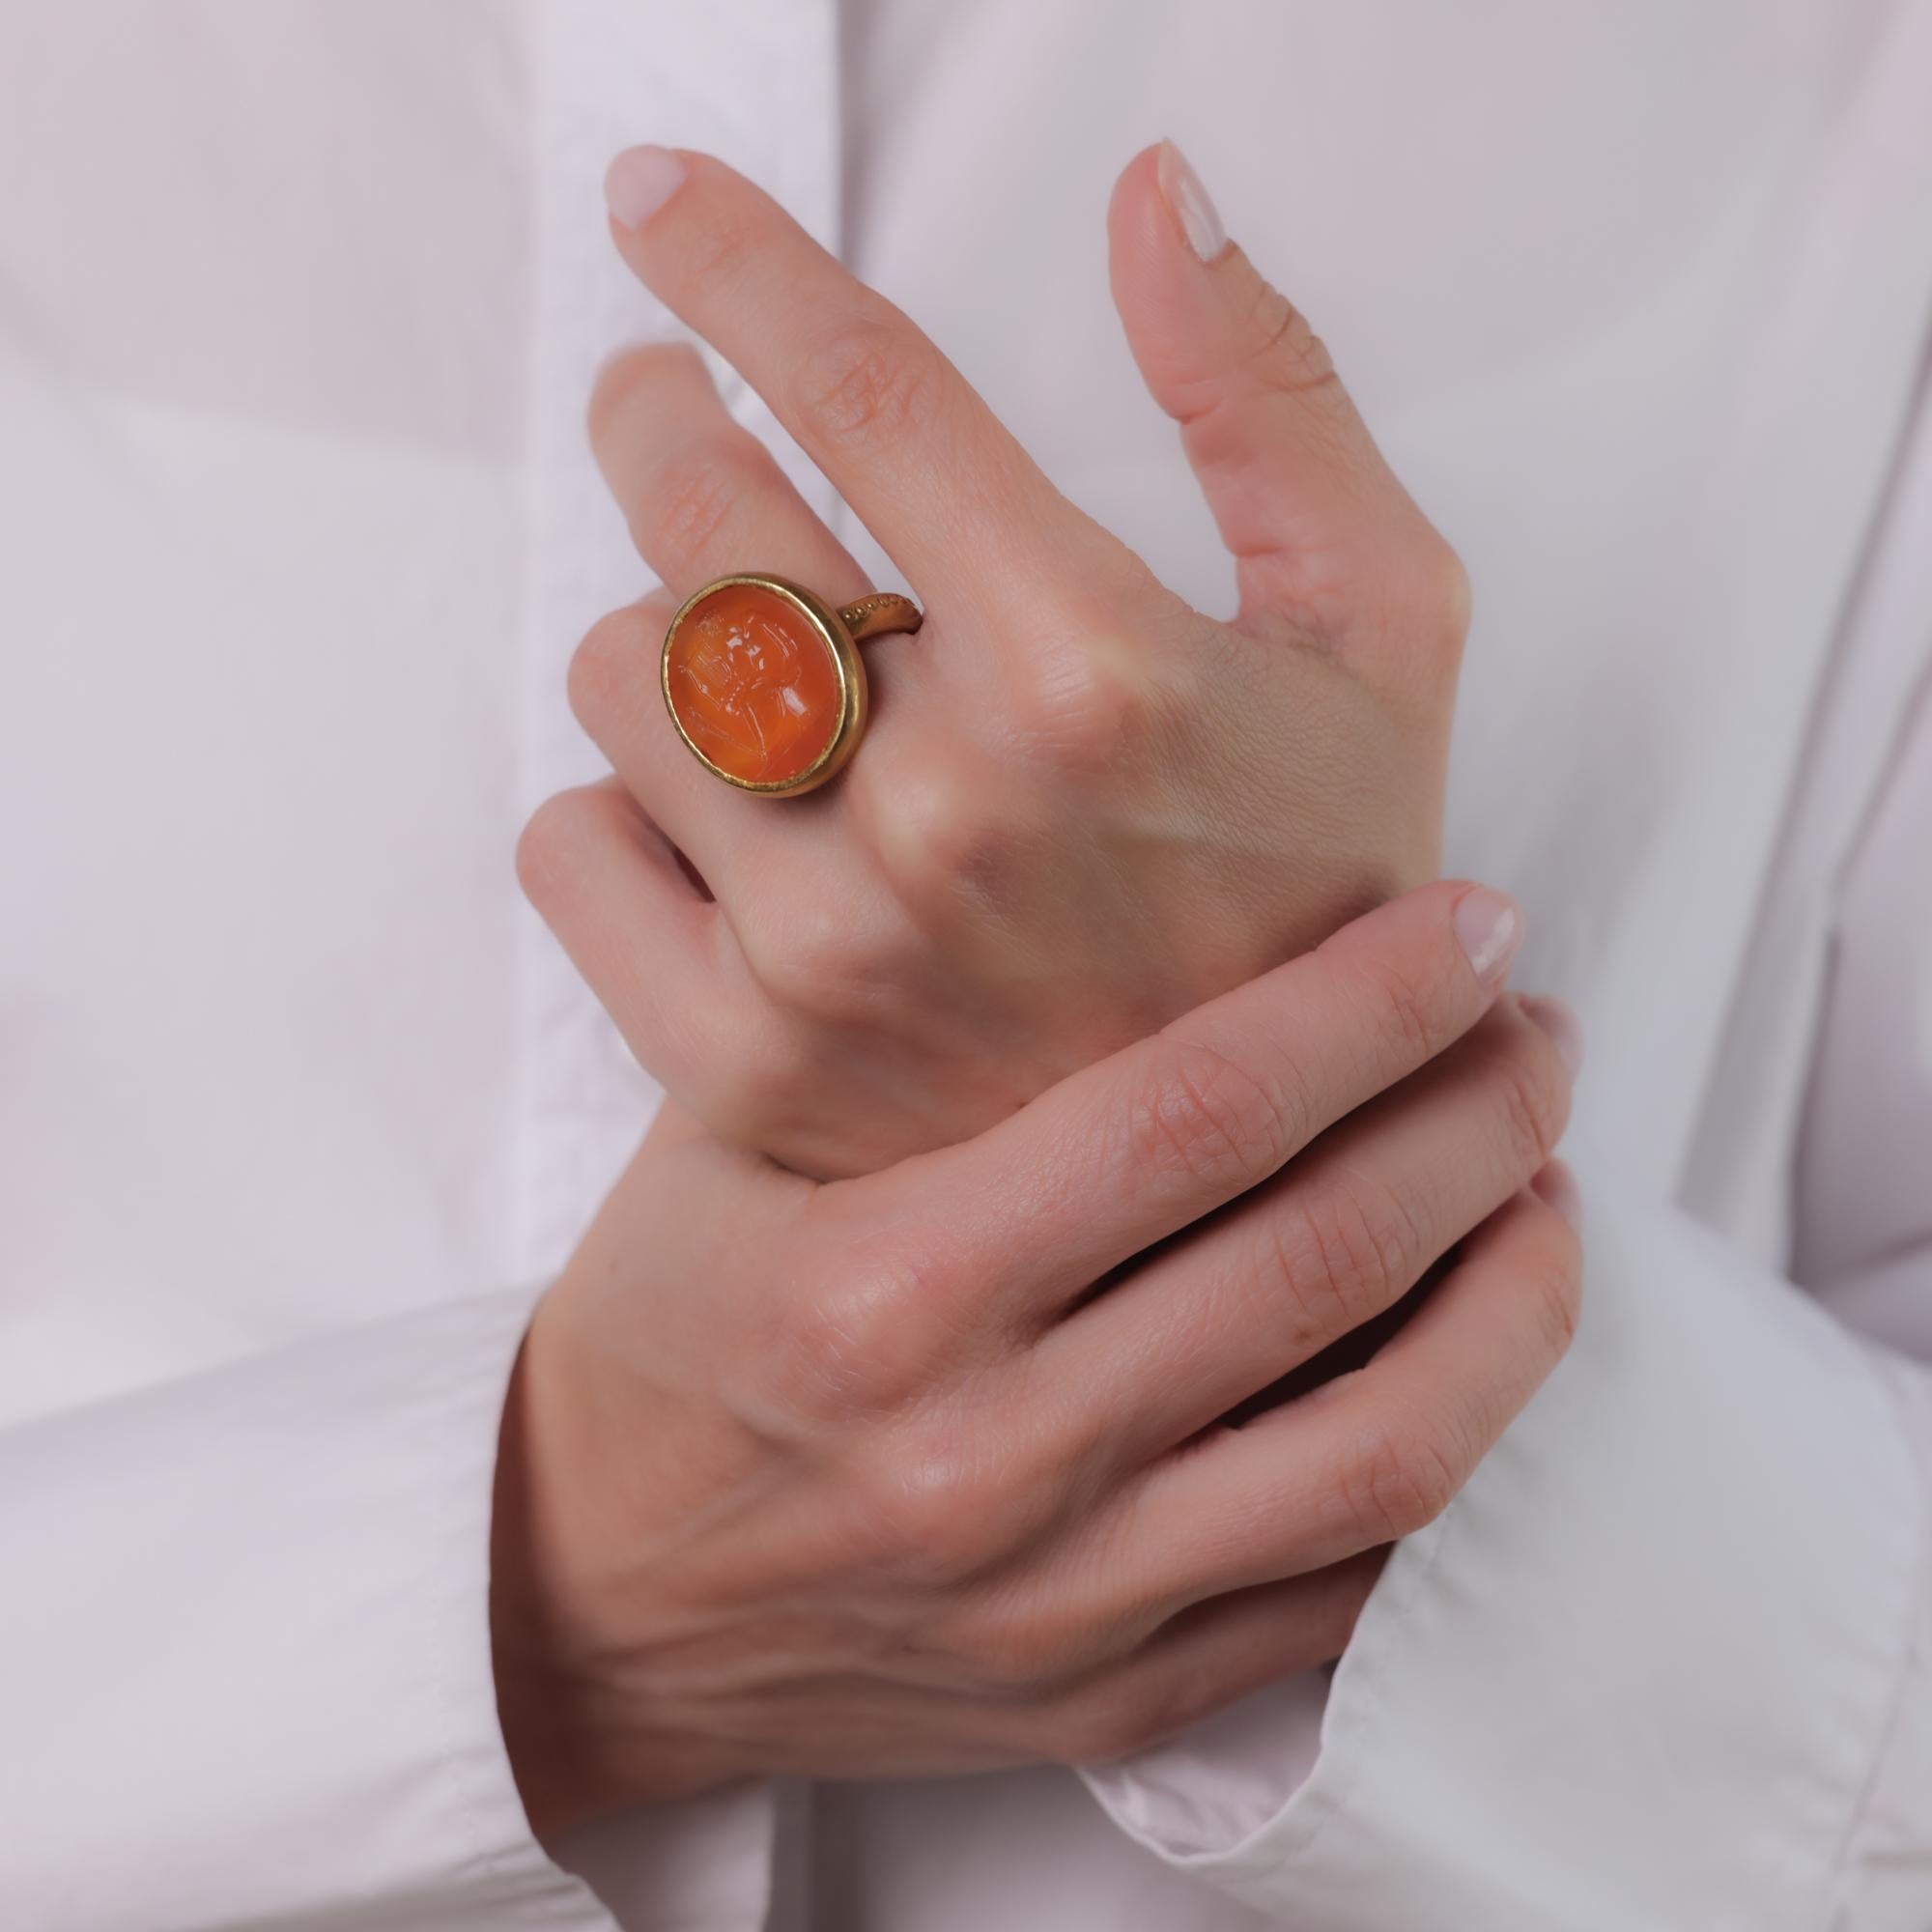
(1667, 1660)
(1661, 1664)
(245, 1654)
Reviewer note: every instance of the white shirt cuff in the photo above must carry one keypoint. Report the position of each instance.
(1644, 1671)
(244, 1648)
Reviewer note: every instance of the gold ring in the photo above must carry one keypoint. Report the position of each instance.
(763, 680)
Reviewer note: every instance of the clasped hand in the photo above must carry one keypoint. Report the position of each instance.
(881, 1423)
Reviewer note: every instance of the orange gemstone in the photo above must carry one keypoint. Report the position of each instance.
(754, 684)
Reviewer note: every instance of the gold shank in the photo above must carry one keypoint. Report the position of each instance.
(885, 611)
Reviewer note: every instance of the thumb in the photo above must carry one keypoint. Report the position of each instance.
(1322, 531)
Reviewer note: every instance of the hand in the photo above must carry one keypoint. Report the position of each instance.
(1082, 806)
(861, 1478)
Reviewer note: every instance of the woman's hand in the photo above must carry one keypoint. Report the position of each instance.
(860, 1478)
(1082, 806)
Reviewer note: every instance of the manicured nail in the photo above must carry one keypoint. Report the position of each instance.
(1180, 187)
(1561, 1025)
(1491, 928)
(640, 182)
(1559, 1187)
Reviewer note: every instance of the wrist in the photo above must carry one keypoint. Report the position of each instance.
(535, 1705)
(584, 1734)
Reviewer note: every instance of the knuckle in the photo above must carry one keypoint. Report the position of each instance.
(732, 240)
(1343, 1255)
(1088, 703)
(871, 382)
(1204, 1114)
(944, 841)
(945, 1518)
(842, 1351)
(1287, 350)
(1397, 1481)
(692, 497)
(817, 963)
(604, 669)
(1412, 998)
(1529, 1099)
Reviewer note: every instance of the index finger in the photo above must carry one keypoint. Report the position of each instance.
(1145, 1142)
(903, 435)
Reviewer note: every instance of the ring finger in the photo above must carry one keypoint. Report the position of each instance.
(1361, 1461)
(1343, 1234)
(702, 495)
(703, 499)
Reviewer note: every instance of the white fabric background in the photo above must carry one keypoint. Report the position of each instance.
(299, 305)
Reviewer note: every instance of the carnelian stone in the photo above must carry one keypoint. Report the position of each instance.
(754, 684)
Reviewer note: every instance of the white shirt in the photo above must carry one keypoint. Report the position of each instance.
(298, 307)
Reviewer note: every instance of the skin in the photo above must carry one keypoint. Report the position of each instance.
(1082, 806)
(880, 1426)
(860, 1478)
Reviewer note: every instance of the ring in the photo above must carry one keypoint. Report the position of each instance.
(763, 681)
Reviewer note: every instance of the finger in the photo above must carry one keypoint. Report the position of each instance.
(1322, 531)
(617, 694)
(1371, 1457)
(660, 958)
(908, 443)
(1123, 1154)
(1201, 1661)
(703, 498)
(1338, 1239)
(788, 898)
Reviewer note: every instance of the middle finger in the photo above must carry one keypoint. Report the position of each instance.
(897, 428)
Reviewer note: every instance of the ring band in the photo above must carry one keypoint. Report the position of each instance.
(880, 615)
(763, 680)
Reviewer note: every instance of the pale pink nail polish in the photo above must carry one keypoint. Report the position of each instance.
(640, 182)
(1193, 207)
(1491, 930)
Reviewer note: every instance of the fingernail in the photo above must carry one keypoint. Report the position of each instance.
(1561, 1025)
(1193, 208)
(1491, 928)
(1559, 1187)
(640, 182)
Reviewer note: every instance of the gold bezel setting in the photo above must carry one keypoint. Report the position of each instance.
(836, 638)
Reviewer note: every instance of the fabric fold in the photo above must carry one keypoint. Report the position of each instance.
(251, 1608)
(1694, 1566)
